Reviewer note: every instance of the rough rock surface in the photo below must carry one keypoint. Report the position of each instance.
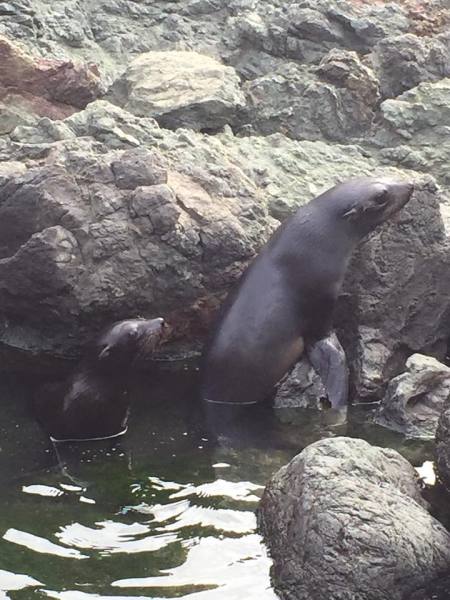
(89, 232)
(41, 86)
(404, 61)
(443, 447)
(180, 89)
(311, 71)
(415, 134)
(395, 301)
(415, 399)
(335, 101)
(302, 388)
(345, 519)
(227, 194)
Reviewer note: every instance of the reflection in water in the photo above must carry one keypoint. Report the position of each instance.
(231, 565)
(39, 544)
(235, 490)
(42, 490)
(165, 512)
(14, 581)
(112, 538)
(221, 519)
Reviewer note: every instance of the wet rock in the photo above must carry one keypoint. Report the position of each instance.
(335, 101)
(302, 388)
(443, 447)
(402, 62)
(415, 399)
(180, 89)
(344, 515)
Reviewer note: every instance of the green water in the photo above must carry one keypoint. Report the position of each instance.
(166, 513)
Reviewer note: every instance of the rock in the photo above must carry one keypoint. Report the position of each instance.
(402, 62)
(346, 519)
(302, 388)
(420, 115)
(414, 132)
(335, 101)
(306, 31)
(180, 89)
(443, 447)
(203, 205)
(415, 399)
(49, 87)
(395, 299)
(135, 235)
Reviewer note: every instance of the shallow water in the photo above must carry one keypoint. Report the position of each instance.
(168, 511)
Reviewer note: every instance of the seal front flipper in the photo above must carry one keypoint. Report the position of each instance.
(328, 358)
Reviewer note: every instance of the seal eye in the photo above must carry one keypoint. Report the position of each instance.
(381, 197)
(351, 213)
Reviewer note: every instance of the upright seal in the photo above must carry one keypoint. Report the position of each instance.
(283, 304)
(94, 403)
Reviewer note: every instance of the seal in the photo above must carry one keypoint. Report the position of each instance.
(93, 403)
(283, 303)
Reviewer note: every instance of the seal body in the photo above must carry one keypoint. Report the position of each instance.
(94, 402)
(284, 301)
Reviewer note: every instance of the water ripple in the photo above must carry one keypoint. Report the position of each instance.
(15, 581)
(39, 544)
(110, 537)
(228, 566)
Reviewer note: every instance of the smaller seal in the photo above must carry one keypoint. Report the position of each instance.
(94, 403)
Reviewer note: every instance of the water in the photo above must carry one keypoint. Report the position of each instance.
(166, 512)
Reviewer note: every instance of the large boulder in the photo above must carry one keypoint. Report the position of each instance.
(180, 89)
(395, 299)
(346, 520)
(90, 235)
(415, 399)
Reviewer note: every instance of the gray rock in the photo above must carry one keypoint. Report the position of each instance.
(335, 101)
(402, 62)
(302, 388)
(415, 130)
(395, 295)
(136, 237)
(180, 89)
(346, 520)
(415, 399)
(443, 447)
(420, 115)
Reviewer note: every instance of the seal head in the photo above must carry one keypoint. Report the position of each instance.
(94, 402)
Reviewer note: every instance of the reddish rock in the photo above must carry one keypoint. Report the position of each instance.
(56, 88)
